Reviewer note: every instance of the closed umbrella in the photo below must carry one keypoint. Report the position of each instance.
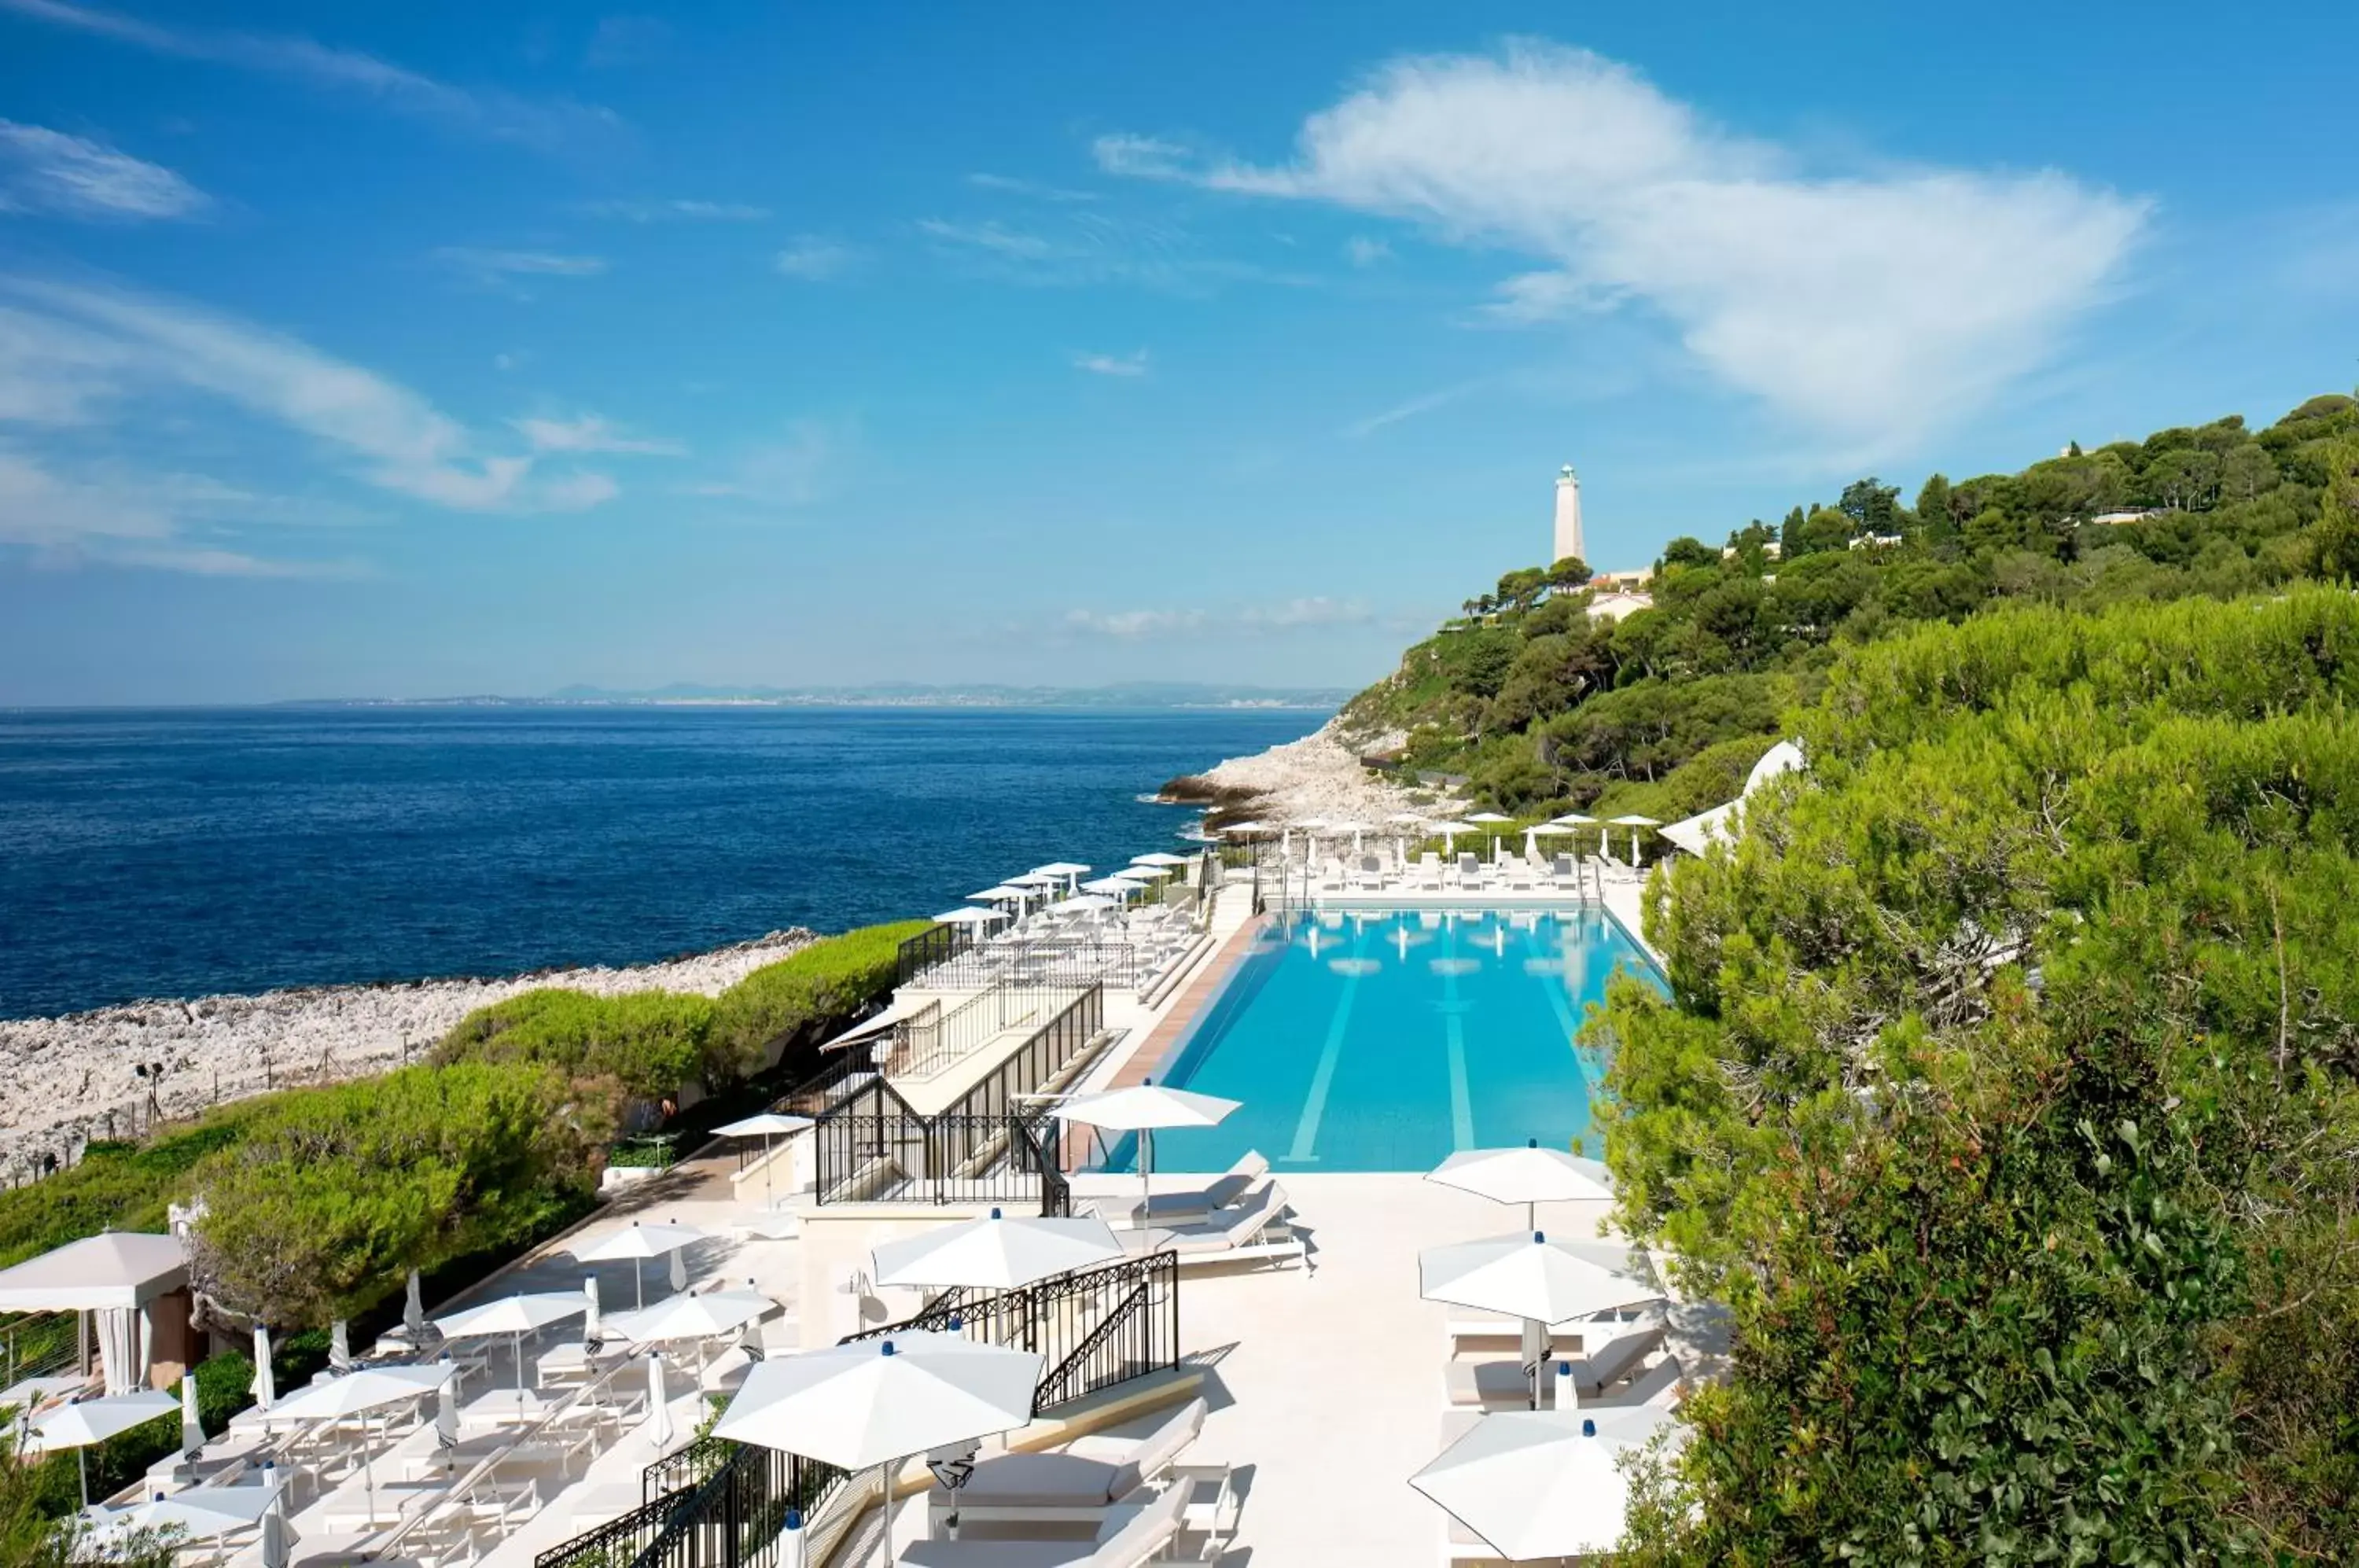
(638, 1244)
(413, 1312)
(199, 1513)
(593, 1331)
(658, 1402)
(874, 1402)
(1542, 1484)
(1633, 823)
(266, 1382)
(340, 1346)
(1528, 1277)
(193, 1432)
(1141, 1109)
(1529, 1175)
(996, 1253)
(767, 1126)
(77, 1426)
(446, 1408)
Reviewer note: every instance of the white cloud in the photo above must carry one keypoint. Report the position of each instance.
(1133, 363)
(43, 170)
(1147, 156)
(592, 433)
(1079, 248)
(1288, 615)
(346, 74)
(803, 465)
(1362, 251)
(1872, 306)
(501, 266)
(676, 209)
(1413, 406)
(993, 237)
(389, 436)
(1028, 187)
(813, 259)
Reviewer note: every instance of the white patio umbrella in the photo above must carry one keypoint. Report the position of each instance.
(1490, 820)
(1354, 828)
(1113, 886)
(969, 917)
(363, 1393)
(1034, 879)
(1633, 823)
(515, 1316)
(1246, 828)
(1529, 1175)
(1085, 904)
(77, 1426)
(1064, 870)
(1526, 1276)
(872, 1403)
(1532, 835)
(1004, 893)
(707, 1316)
(1541, 1484)
(266, 1381)
(638, 1244)
(1142, 1108)
(996, 1253)
(1160, 857)
(1449, 832)
(765, 1126)
(199, 1513)
(1147, 873)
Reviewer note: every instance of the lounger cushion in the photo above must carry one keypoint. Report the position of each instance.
(1488, 1383)
(1042, 1481)
(998, 1554)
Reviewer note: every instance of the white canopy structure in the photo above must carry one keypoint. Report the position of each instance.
(1720, 824)
(118, 1269)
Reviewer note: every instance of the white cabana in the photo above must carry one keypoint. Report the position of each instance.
(996, 1253)
(1537, 1485)
(872, 1403)
(116, 1271)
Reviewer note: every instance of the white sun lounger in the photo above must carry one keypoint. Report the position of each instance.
(1254, 1230)
(1128, 1536)
(1658, 1384)
(1372, 873)
(1519, 873)
(1428, 871)
(1470, 871)
(1613, 1360)
(1218, 1193)
(1566, 873)
(1078, 1484)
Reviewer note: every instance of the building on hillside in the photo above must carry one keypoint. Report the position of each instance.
(1615, 604)
(1569, 541)
(1622, 582)
(1877, 541)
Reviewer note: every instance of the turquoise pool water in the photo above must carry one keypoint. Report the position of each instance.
(1384, 1041)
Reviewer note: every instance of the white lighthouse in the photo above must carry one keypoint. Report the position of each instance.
(1567, 516)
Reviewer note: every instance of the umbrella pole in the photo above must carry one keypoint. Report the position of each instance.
(769, 1154)
(516, 1344)
(1146, 1178)
(81, 1463)
(639, 1282)
(885, 1514)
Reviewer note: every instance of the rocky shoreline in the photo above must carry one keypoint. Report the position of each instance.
(66, 1080)
(1319, 776)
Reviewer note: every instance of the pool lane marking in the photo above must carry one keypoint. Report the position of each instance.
(1453, 1032)
(1563, 1005)
(1314, 1105)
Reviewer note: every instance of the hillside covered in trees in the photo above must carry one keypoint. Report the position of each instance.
(1664, 711)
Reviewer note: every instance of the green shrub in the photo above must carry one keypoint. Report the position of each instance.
(321, 1210)
(786, 1001)
(116, 1186)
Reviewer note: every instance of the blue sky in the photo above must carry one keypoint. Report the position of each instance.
(376, 350)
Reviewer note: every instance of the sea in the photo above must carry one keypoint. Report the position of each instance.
(188, 852)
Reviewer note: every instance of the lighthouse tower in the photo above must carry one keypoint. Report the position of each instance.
(1567, 516)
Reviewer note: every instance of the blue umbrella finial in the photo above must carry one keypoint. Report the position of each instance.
(1539, 1239)
(1531, 1143)
(994, 1213)
(1588, 1427)
(889, 1347)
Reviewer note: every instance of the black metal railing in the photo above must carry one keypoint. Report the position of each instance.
(1092, 1329)
(932, 1039)
(872, 1146)
(734, 1519)
(1060, 960)
(934, 945)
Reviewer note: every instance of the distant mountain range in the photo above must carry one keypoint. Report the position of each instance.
(907, 694)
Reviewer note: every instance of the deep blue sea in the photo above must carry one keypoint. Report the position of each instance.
(185, 853)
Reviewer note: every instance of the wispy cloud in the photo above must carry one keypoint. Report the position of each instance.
(1876, 306)
(1411, 409)
(341, 72)
(677, 210)
(1080, 248)
(813, 259)
(591, 434)
(506, 269)
(1362, 251)
(1286, 615)
(804, 465)
(123, 350)
(1132, 364)
(43, 170)
(1032, 189)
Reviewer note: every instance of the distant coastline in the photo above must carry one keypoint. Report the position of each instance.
(1136, 695)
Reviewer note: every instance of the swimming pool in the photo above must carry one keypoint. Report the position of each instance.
(1384, 1041)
